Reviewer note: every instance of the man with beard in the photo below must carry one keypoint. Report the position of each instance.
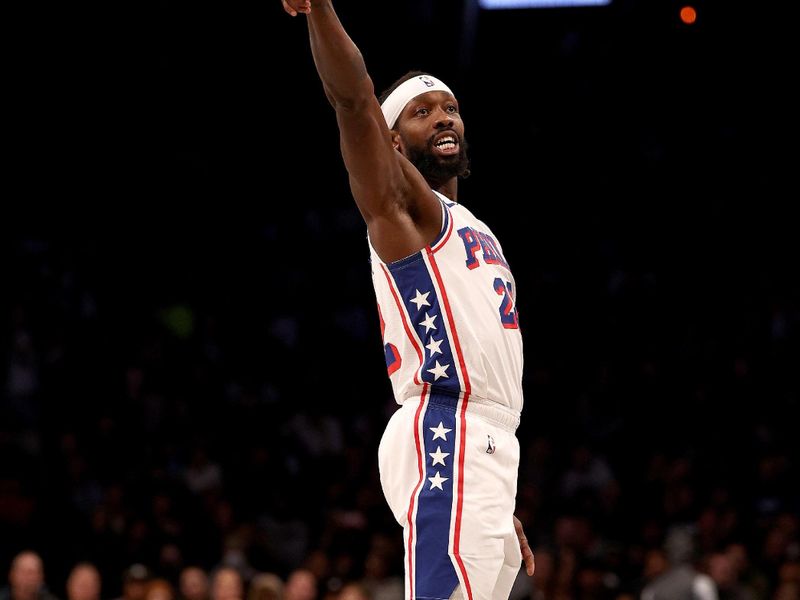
(449, 456)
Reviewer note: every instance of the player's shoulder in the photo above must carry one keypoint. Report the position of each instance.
(445, 200)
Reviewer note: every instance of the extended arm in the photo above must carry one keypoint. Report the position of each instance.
(401, 212)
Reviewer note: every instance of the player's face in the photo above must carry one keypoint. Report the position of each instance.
(432, 136)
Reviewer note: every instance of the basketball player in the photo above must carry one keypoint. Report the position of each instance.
(449, 456)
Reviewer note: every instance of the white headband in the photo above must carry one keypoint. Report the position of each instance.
(406, 92)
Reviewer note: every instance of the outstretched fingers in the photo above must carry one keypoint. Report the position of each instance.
(293, 7)
(527, 553)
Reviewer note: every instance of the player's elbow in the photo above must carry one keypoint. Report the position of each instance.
(351, 98)
(352, 106)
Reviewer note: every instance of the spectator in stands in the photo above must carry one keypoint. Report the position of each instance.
(227, 584)
(26, 580)
(193, 584)
(354, 591)
(84, 582)
(301, 584)
(134, 582)
(160, 589)
(682, 579)
(265, 586)
(722, 569)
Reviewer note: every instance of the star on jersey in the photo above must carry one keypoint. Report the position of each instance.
(433, 346)
(428, 322)
(437, 481)
(439, 371)
(440, 432)
(421, 299)
(438, 456)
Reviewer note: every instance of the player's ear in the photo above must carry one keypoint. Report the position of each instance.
(395, 139)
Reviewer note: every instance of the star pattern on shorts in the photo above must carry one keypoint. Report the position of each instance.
(440, 432)
(438, 456)
(437, 481)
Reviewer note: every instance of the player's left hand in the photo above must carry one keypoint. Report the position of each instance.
(527, 553)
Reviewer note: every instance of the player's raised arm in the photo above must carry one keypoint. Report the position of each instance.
(401, 212)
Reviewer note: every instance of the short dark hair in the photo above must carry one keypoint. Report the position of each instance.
(398, 82)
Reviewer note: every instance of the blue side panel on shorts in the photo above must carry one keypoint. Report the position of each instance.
(435, 575)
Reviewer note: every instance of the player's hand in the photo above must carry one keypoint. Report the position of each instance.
(293, 7)
(527, 553)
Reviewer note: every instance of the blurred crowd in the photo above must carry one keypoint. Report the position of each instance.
(197, 417)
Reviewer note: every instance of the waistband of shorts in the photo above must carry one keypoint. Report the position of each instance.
(491, 411)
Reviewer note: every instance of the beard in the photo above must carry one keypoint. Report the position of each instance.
(439, 169)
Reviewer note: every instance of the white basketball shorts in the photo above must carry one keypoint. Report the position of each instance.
(448, 468)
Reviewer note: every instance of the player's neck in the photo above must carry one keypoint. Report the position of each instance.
(449, 188)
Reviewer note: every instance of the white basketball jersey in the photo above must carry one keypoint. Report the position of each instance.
(448, 315)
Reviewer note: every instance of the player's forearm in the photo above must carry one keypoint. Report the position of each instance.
(339, 62)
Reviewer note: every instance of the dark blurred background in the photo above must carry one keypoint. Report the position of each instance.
(191, 351)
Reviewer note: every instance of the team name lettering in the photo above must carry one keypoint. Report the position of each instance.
(477, 240)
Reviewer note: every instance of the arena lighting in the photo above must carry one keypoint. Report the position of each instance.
(499, 4)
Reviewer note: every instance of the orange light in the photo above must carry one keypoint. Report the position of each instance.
(688, 15)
